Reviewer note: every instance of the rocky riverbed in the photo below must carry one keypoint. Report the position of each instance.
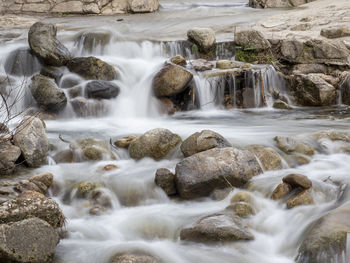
(208, 138)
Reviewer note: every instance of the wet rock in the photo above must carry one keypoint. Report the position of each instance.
(25, 185)
(44, 44)
(9, 154)
(171, 80)
(47, 94)
(281, 191)
(335, 32)
(201, 173)
(92, 68)
(52, 73)
(268, 157)
(216, 228)
(201, 65)
(100, 198)
(251, 39)
(133, 257)
(204, 38)
(143, 6)
(165, 180)
(43, 178)
(243, 196)
(21, 62)
(226, 64)
(290, 144)
(110, 167)
(156, 143)
(178, 60)
(31, 204)
(281, 105)
(332, 136)
(302, 198)
(30, 137)
(241, 209)
(28, 241)
(70, 81)
(167, 106)
(65, 156)
(297, 180)
(202, 141)
(85, 188)
(100, 89)
(92, 150)
(312, 90)
(325, 240)
(125, 141)
(221, 194)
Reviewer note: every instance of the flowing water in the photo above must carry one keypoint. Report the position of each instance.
(142, 217)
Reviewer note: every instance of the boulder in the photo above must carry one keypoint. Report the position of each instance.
(100, 89)
(92, 150)
(297, 180)
(47, 94)
(44, 178)
(201, 173)
(241, 209)
(143, 6)
(204, 38)
(85, 188)
(281, 105)
(326, 239)
(28, 241)
(92, 68)
(202, 141)
(156, 143)
(291, 49)
(31, 204)
(125, 141)
(332, 136)
(171, 80)
(201, 65)
(44, 44)
(9, 154)
(312, 90)
(243, 196)
(281, 191)
(22, 62)
(165, 180)
(267, 156)
(302, 198)
(178, 60)
(30, 137)
(252, 40)
(335, 32)
(226, 64)
(289, 144)
(133, 257)
(216, 228)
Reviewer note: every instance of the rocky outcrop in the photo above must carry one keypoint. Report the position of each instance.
(30, 137)
(201, 173)
(156, 144)
(251, 40)
(28, 241)
(204, 38)
(202, 141)
(92, 68)
(44, 44)
(277, 3)
(134, 257)
(47, 94)
(9, 154)
(165, 180)
(143, 6)
(99, 89)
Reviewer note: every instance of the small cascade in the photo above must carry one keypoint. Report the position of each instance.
(181, 47)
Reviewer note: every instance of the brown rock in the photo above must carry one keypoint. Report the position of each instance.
(297, 180)
(302, 198)
(281, 191)
(166, 180)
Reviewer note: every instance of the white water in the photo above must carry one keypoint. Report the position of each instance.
(142, 217)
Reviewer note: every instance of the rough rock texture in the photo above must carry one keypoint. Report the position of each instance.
(326, 239)
(99, 89)
(345, 88)
(241, 209)
(178, 60)
(165, 180)
(297, 180)
(251, 39)
(143, 6)
(125, 141)
(277, 3)
(171, 80)
(9, 154)
(289, 144)
(28, 241)
(47, 94)
(202, 141)
(204, 38)
(217, 227)
(226, 64)
(201, 65)
(335, 32)
(268, 157)
(31, 204)
(281, 191)
(282, 105)
(92, 68)
(91, 150)
(302, 198)
(156, 143)
(199, 174)
(44, 44)
(133, 257)
(31, 138)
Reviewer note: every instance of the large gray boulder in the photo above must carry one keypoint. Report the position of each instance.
(204, 38)
(28, 241)
(156, 143)
(201, 173)
(44, 44)
(202, 141)
(9, 154)
(171, 80)
(92, 68)
(325, 240)
(216, 228)
(133, 257)
(47, 94)
(31, 204)
(252, 40)
(30, 137)
(101, 89)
